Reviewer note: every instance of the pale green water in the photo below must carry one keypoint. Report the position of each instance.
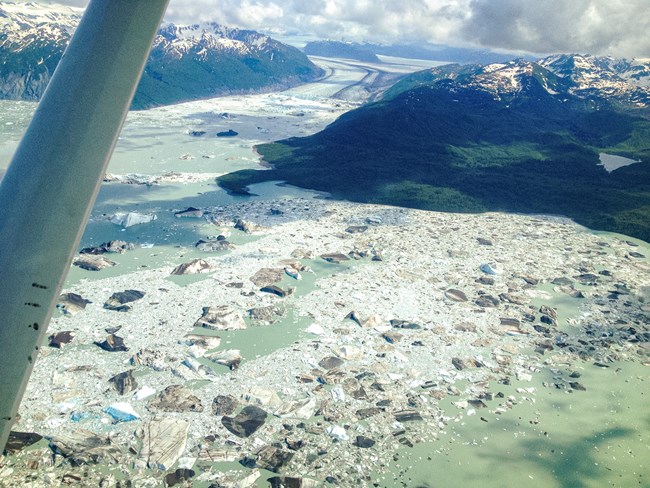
(581, 439)
(173, 238)
(261, 340)
(152, 143)
(611, 162)
(159, 150)
(594, 438)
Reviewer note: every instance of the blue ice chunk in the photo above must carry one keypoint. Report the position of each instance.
(122, 412)
(79, 416)
(487, 269)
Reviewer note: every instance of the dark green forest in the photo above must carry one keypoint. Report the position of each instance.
(439, 145)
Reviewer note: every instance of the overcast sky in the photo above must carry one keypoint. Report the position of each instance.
(614, 27)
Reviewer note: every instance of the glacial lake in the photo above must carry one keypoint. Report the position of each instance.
(583, 439)
(590, 439)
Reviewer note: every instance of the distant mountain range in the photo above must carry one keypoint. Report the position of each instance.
(186, 62)
(570, 78)
(519, 136)
(368, 52)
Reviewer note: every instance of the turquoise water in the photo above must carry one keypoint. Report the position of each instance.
(173, 238)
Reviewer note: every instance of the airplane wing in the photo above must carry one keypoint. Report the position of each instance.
(50, 187)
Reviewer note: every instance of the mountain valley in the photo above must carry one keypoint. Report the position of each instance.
(517, 136)
(186, 62)
(395, 294)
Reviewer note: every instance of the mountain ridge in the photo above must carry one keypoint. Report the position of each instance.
(186, 62)
(600, 79)
(513, 137)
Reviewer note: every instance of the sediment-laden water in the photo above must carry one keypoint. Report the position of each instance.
(413, 366)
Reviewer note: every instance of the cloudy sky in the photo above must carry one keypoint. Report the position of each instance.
(614, 27)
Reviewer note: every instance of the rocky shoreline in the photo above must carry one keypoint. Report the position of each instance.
(407, 308)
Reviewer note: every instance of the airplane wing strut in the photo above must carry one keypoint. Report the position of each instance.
(49, 189)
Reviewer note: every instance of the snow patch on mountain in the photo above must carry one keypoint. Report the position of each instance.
(22, 20)
(186, 61)
(504, 78)
(591, 78)
(622, 79)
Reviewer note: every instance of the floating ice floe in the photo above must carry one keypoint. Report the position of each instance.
(144, 392)
(337, 432)
(297, 409)
(129, 219)
(122, 412)
(489, 268)
(315, 329)
(292, 272)
(164, 442)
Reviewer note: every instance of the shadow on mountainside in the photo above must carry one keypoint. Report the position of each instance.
(425, 149)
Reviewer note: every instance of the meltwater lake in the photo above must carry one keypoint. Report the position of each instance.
(528, 429)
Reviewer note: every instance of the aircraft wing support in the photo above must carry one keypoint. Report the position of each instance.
(50, 187)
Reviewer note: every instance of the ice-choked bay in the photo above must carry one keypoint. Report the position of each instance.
(326, 343)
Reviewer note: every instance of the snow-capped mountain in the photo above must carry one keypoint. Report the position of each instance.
(32, 40)
(621, 79)
(513, 77)
(514, 136)
(25, 15)
(568, 77)
(186, 62)
(243, 42)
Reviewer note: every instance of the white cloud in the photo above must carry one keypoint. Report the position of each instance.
(617, 27)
